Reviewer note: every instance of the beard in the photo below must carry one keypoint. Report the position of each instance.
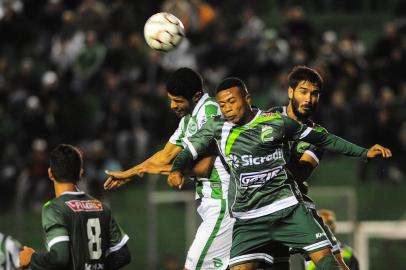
(302, 115)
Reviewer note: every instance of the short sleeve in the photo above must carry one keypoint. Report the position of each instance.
(299, 148)
(294, 131)
(179, 133)
(54, 225)
(200, 142)
(117, 236)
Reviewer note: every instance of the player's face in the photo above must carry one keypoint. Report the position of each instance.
(234, 105)
(304, 98)
(180, 105)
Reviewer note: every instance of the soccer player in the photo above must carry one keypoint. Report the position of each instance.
(211, 246)
(329, 218)
(80, 231)
(262, 196)
(305, 86)
(9, 249)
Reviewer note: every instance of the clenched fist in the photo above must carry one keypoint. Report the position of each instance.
(175, 180)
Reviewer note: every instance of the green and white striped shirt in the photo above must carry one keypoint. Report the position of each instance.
(216, 185)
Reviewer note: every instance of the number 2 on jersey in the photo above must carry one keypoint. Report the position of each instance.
(93, 234)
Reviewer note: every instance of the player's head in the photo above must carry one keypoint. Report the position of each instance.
(329, 218)
(305, 85)
(185, 87)
(234, 100)
(66, 164)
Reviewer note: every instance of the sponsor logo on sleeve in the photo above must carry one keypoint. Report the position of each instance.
(257, 179)
(85, 206)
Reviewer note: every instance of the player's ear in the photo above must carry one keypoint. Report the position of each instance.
(290, 92)
(248, 99)
(82, 172)
(50, 175)
(196, 97)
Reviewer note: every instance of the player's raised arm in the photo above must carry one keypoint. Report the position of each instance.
(159, 163)
(331, 142)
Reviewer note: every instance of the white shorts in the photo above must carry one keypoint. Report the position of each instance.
(211, 247)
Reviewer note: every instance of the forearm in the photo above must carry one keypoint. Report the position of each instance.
(202, 167)
(119, 258)
(182, 161)
(336, 144)
(57, 257)
(159, 163)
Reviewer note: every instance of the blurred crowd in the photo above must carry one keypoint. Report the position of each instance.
(80, 72)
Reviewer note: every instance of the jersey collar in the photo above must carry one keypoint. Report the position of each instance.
(77, 192)
(285, 110)
(199, 104)
(253, 119)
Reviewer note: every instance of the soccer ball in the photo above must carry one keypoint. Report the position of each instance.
(163, 31)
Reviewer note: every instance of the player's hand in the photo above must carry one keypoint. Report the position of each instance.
(117, 179)
(25, 256)
(378, 150)
(176, 180)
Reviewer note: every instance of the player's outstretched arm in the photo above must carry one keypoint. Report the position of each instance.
(331, 142)
(159, 163)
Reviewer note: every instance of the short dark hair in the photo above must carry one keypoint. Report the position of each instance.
(66, 163)
(184, 82)
(303, 73)
(230, 82)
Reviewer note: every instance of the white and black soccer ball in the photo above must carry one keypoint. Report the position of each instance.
(163, 31)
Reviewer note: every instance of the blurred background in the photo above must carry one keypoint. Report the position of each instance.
(80, 72)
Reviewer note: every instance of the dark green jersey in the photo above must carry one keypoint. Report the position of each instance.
(295, 151)
(259, 183)
(88, 226)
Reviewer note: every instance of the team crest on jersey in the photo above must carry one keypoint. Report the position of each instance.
(85, 206)
(192, 128)
(266, 134)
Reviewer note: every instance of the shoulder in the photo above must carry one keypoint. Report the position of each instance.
(272, 117)
(277, 109)
(319, 128)
(209, 109)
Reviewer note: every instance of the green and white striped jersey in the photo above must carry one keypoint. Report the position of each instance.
(260, 184)
(9, 251)
(216, 185)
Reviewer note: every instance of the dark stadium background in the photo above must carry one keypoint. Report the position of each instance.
(79, 72)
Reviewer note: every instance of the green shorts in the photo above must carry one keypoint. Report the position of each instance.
(259, 239)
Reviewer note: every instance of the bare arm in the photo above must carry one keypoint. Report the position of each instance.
(159, 163)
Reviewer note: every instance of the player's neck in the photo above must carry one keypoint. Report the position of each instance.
(292, 114)
(249, 116)
(64, 187)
